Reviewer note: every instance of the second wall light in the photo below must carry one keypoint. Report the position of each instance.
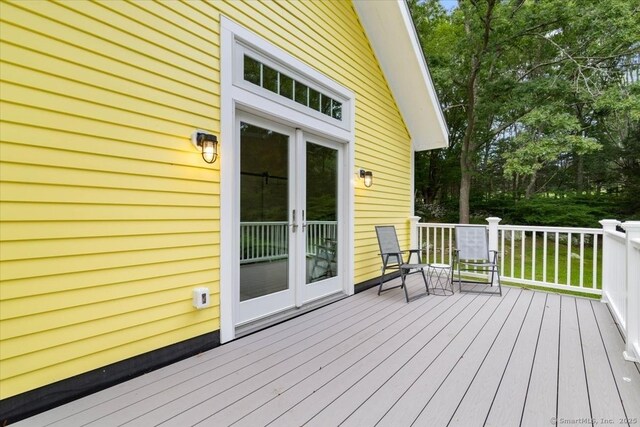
(367, 176)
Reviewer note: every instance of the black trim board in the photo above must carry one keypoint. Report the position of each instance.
(27, 404)
(368, 284)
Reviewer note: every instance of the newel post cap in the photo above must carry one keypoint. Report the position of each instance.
(493, 220)
(609, 224)
(631, 226)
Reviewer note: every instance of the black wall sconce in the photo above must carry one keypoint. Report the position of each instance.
(367, 176)
(207, 144)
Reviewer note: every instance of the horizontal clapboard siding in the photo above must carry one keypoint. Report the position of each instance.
(109, 216)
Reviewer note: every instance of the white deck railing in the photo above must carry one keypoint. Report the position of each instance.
(590, 260)
(265, 241)
(552, 257)
(621, 280)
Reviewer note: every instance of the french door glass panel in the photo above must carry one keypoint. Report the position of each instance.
(321, 231)
(264, 211)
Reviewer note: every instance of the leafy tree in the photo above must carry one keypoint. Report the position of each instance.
(522, 84)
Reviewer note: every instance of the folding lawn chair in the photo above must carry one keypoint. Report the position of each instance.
(392, 259)
(472, 253)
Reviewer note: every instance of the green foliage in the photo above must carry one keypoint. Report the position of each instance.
(546, 133)
(540, 98)
(560, 211)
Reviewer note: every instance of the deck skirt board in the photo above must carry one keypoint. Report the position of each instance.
(466, 359)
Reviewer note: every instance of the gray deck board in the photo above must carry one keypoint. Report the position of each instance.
(376, 380)
(462, 383)
(330, 382)
(465, 359)
(625, 374)
(420, 387)
(541, 393)
(123, 395)
(573, 394)
(348, 343)
(267, 362)
(508, 402)
(414, 353)
(218, 356)
(603, 391)
(390, 331)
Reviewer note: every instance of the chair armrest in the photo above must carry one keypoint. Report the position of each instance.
(417, 252)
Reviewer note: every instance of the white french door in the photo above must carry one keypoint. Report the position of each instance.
(290, 201)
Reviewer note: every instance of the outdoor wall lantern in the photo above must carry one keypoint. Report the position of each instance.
(367, 176)
(207, 144)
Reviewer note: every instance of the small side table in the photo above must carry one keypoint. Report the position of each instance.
(440, 279)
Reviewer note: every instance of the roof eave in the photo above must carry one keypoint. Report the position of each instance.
(395, 42)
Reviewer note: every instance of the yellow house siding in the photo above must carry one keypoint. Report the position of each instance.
(109, 217)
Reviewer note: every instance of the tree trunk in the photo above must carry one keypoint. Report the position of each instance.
(465, 185)
(465, 189)
(531, 187)
(580, 174)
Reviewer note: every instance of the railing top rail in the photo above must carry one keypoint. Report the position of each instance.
(522, 228)
(616, 235)
(551, 229)
(263, 222)
(282, 222)
(635, 243)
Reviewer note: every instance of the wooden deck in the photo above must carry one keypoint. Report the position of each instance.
(526, 358)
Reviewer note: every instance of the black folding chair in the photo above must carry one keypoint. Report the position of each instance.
(392, 259)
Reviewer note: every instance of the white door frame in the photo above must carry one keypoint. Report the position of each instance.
(235, 97)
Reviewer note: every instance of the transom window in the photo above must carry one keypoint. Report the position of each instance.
(277, 82)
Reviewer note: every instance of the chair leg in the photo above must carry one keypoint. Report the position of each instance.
(495, 271)
(402, 276)
(426, 284)
(384, 268)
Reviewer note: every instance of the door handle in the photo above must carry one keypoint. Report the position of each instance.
(294, 224)
(304, 224)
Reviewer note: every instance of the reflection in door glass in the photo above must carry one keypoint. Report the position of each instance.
(322, 212)
(264, 207)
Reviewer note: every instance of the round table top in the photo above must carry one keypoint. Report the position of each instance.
(439, 266)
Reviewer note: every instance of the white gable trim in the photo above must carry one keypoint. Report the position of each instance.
(391, 33)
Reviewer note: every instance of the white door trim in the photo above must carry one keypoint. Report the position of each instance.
(233, 97)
